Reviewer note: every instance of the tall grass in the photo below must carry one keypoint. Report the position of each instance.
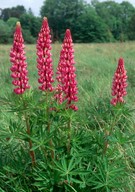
(95, 65)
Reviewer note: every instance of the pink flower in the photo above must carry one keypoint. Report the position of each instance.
(119, 83)
(44, 60)
(18, 60)
(66, 77)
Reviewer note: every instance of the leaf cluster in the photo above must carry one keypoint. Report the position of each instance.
(101, 155)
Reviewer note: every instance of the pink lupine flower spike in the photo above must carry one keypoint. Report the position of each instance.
(18, 60)
(44, 60)
(66, 77)
(119, 83)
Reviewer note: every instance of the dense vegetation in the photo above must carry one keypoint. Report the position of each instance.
(88, 167)
(50, 146)
(106, 21)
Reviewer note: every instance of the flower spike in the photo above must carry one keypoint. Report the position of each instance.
(18, 60)
(44, 60)
(119, 83)
(66, 77)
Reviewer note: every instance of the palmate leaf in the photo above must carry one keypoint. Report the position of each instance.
(65, 167)
(107, 175)
(70, 170)
(43, 176)
(15, 129)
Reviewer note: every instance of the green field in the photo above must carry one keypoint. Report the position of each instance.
(95, 66)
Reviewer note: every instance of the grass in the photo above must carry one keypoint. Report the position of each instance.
(95, 64)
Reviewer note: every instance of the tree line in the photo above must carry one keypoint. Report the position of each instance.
(106, 21)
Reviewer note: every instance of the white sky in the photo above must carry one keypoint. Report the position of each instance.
(36, 4)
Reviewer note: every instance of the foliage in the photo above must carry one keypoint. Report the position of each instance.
(11, 22)
(96, 18)
(89, 166)
(12, 12)
(116, 16)
(5, 32)
(62, 15)
(30, 23)
(90, 28)
(131, 32)
(89, 22)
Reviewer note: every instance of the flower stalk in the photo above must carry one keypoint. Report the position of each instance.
(66, 77)
(118, 92)
(45, 68)
(18, 60)
(19, 74)
(44, 60)
(67, 85)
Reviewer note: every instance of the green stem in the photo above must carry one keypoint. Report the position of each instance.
(69, 136)
(50, 142)
(31, 152)
(106, 143)
(108, 133)
(49, 126)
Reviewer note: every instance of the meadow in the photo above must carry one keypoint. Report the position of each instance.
(113, 171)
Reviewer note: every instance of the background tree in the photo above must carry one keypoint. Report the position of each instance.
(12, 12)
(127, 12)
(11, 23)
(5, 14)
(115, 15)
(91, 28)
(95, 22)
(62, 14)
(5, 32)
(109, 12)
(31, 23)
(31, 26)
(131, 28)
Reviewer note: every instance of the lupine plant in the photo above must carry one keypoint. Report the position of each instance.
(19, 74)
(46, 143)
(119, 85)
(66, 77)
(45, 67)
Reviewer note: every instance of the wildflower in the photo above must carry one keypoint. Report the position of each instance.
(66, 77)
(44, 60)
(18, 60)
(119, 83)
